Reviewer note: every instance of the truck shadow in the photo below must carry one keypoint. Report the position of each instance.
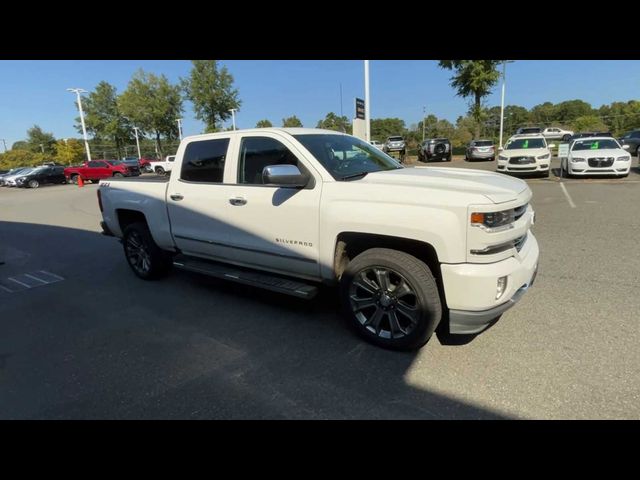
(189, 346)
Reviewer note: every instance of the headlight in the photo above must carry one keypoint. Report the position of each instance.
(544, 157)
(624, 159)
(20, 180)
(576, 160)
(493, 219)
(502, 157)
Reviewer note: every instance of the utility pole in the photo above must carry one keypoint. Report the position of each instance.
(233, 117)
(135, 129)
(179, 120)
(424, 122)
(42, 148)
(78, 91)
(504, 81)
(5, 144)
(367, 107)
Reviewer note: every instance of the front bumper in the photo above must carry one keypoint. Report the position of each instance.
(471, 288)
(504, 166)
(583, 168)
(481, 155)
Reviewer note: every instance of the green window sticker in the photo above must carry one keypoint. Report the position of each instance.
(526, 144)
(594, 146)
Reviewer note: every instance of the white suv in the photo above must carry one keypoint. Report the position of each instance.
(596, 156)
(525, 154)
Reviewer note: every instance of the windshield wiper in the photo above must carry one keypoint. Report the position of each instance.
(354, 175)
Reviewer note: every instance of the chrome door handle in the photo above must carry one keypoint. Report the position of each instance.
(176, 196)
(238, 201)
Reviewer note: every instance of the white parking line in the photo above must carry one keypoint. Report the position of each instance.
(52, 274)
(19, 282)
(566, 194)
(35, 278)
(6, 289)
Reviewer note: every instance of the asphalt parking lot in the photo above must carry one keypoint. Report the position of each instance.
(90, 340)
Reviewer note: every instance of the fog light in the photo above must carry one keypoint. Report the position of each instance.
(501, 287)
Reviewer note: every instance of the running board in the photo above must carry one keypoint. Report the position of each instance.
(263, 280)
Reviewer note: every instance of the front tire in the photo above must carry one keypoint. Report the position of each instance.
(33, 184)
(390, 298)
(146, 259)
(160, 171)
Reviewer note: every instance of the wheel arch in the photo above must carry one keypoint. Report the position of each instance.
(127, 217)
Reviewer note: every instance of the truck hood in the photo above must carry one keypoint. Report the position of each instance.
(496, 187)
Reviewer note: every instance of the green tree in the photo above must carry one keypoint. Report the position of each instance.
(566, 112)
(515, 116)
(264, 124)
(333, 122)
(153, 105)
(70, 152)
(620, 117)
(39, 140)
(210, 89)
(382, 128)
(291, 122)
(588, 123)
(543, 114)
(20, 158)
(473, 79)
(464, 131)
(103, 118)
(20, 145)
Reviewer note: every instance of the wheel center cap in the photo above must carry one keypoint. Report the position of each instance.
(385, 300)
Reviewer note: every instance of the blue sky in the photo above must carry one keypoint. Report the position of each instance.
(34, 92)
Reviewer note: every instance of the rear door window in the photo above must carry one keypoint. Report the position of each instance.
(204, 161)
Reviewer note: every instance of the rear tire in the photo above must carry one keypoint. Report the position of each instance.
(160, 171)
(115, 175)
(146, 259)
(74, 179)
(390, 298)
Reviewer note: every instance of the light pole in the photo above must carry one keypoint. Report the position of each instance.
(5, 144)
(504, 81)
(78, 91)
(42, 148)
(179, 120)
(424, 122)
(135, 129)
(233, 117)
(367, 107)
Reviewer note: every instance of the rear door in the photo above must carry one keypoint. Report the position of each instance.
(97, 169)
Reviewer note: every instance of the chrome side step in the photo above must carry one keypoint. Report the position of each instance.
(263, 280)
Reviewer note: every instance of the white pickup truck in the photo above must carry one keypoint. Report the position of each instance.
(410, 249)
(164, 167)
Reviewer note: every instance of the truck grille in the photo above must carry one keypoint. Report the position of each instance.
(522, 160)
(597, 162)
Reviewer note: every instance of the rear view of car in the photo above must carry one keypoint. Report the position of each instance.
(395, 144)
(435, 150)
(481, 150)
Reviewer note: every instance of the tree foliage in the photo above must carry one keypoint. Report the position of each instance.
(334, 122)
(264, 124)
(291, 122)
(382, 128)
(70, 152)
(153, 105)
(210, 89)
(103, 118)
(38, 140)
(473, 79)
(20, 158)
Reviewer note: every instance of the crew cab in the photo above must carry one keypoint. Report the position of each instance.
(556, 133)
(409, 249)
(596, 156)
(525, 154)
(96, 170)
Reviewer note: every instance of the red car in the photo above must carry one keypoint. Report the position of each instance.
(96, 170)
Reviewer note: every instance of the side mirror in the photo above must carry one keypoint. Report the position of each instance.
(626, 147)
(286, 176)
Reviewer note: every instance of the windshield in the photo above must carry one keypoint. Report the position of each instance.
(26, 171)
(114, 163)
(344, 155)
(396, 139)
(483, 143)
(525, 143)
(597, 144)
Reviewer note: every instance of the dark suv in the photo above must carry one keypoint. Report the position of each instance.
(435, 149)
(633, 140)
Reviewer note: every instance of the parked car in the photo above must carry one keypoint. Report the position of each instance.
(395, 144)
(435, 150)
(555, 133)
(480, 150)
(578, 135)
(377, 144)
(9, 180)
(95, 170)
(11, 172)
(633, 140)
(41, 176)
(528, 130)
(430, 234)
(143, 163)
(162, 168)
(526, 154)
(596, 156)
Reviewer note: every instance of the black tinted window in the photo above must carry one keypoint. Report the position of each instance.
(204, 161)
(635, 134)
(259, 152)
(95, 164)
